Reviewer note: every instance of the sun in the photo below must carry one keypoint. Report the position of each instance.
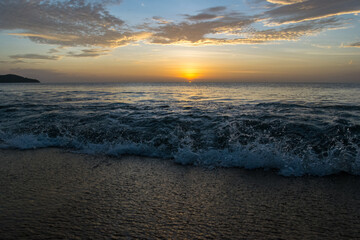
(190, 73)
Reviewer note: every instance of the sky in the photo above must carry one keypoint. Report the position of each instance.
(177, 41)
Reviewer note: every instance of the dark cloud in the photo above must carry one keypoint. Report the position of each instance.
(216, 9)
(304, 17)
(112, 1)
(207, 14)
(295, 31)
(355, 44)
(35, 56)
(67, 23)
(201, 16)
(89, 24)
(12, 62)
(285, 2)
(311, 10)
(195, 32)
(53, 50)
(209, 21)
(234, 28)
(89, 53)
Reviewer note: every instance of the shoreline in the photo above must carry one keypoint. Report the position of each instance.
(53, 193)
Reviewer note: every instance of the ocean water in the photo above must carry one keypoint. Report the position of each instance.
(296, 129)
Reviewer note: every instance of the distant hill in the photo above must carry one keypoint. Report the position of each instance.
(12, 78)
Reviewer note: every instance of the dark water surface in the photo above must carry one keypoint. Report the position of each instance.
(298, 129)
(51, 194)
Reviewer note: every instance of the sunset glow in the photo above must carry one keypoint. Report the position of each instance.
(190, 73)
(126, 40)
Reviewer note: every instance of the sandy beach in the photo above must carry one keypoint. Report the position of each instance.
(53, 193)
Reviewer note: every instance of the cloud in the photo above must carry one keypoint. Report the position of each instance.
(89, 53)
(285, 2)
(207, 14)
(88, 24)
(192, 32)
(311, 10)
(293, 32)
(202, 16)
(218, 25)
(161, 20)
(290, 33)
(35, 56)
(321, 46)
(355, 44)
(112, 2)
(216, 9)
(67, 23)
(12, 62)
(214, 20)
(53, 50)
(51, 38)
(232, 28)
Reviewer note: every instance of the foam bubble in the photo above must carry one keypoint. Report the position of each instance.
(266, 156)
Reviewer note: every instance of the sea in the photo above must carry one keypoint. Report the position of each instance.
(295, 129)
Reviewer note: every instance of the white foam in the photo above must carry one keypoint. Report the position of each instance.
(266, 156)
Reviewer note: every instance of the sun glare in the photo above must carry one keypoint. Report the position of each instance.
(190, 73)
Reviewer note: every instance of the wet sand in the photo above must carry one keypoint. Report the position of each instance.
(51, 193)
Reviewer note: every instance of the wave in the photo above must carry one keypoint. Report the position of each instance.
(342, 156)
(245, 127)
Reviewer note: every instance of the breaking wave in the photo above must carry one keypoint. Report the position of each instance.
(295, 138)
